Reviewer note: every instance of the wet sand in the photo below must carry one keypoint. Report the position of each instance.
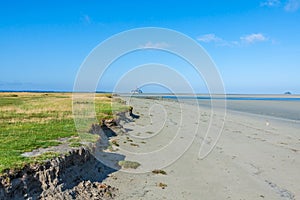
(256, 157)
(285, 109)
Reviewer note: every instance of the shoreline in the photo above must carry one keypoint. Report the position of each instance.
(255, 157)
(281, 109)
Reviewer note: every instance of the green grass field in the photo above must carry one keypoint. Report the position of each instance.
(37, 120)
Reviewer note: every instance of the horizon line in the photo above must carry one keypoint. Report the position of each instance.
(145, 93)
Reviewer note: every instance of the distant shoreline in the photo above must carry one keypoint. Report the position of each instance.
(285, 107)
(261, 97)
(43, 91)
(155, 94)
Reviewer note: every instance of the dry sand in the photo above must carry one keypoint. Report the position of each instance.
(256, 157)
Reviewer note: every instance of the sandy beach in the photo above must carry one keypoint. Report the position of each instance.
(256, 157)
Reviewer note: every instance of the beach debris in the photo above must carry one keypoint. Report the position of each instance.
(134, 145)
(115, 142)
(93, 190)
(159, 171)
(128, 164)
(162, 185)
(130, 109)
(134, 116)
(113, 145)
(110, 122)
(267, 123)
(114, 177)
(128, 139)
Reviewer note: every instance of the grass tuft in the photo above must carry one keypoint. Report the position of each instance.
(115, 142)
(45, 156)
(162, 185)
(128, 164)
(75, 144)
(159, 171)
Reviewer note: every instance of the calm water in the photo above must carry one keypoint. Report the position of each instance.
(280, 107)
(235, 98)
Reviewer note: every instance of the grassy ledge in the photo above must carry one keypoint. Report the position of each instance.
(29, 121)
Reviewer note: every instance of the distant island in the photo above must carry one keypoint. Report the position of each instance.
(137, 91)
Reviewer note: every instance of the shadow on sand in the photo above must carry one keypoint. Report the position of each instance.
(131, 114)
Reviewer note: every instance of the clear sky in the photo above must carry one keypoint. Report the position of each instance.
(254, 43)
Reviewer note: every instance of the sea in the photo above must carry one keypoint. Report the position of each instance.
(278, 106)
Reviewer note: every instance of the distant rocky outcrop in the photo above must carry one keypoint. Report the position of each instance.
(137, 91)
(288, 93)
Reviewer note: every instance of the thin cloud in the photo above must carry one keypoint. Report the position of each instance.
(209, 38)
(247, 39)
(292, 5)
(253, 38)
(270, 3)
(86, 19)
(157, 45)
(287, 5)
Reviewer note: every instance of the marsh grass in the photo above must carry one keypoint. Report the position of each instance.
(159, 171)
(45, 156)
(30, 121)
(162, 185)
(75, 144)
(87, 137)
(115, 142)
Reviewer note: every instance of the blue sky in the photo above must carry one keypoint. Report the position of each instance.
(255, 44)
